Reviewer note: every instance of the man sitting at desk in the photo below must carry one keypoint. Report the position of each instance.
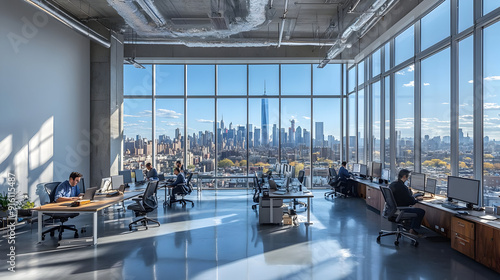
(180, 166)
(151, 174)
(344, 178)
(179, 185)
(69, 190)
(404, 198)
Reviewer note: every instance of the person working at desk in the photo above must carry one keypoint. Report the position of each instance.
(404, 198)
(151, 174)
(345, 176)
(180, 166)
(68, 190)
(178, 185)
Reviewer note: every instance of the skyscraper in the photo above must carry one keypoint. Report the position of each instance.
(319, 136)
(256, 135)
(265, 121)
(275, 135)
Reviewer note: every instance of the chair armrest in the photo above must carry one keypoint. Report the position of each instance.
(404, 208)
(137, 199)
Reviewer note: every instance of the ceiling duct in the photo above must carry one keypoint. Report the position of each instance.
(70, 21)
(232, 43)
(150, 9)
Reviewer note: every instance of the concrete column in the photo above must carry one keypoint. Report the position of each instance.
(106, 107)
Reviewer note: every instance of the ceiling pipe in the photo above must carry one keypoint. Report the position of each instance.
(283, 19)
(233, 43)
(70, 21)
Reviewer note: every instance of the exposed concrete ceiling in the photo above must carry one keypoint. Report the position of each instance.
(311, 29)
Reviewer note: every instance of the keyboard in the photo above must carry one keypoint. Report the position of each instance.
(453, 206)
(279, 192)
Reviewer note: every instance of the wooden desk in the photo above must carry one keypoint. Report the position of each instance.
(99, 203)
(292, 195)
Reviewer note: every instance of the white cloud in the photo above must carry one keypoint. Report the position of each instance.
(307, 118)
(426, 84)
(410, 84)
(171, 123)
(445, 103)
(491, 106)
(400, 73)
(411, 68)
(492, 78)
(471, 81)
(169, 114)
(130, 116)
(204, 121)
(142, 121)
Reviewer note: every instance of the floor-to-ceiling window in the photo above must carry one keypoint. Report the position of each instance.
(466, 108)
(404, 85)
(376, 125)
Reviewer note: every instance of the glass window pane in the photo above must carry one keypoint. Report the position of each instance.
(137, 81)
(232, 134)
(404, 45)
(296, 79)
(387, 114)
(435, 26)
(387, 56)
(296, 133)
(200, 128)
(465, 107)
(404, 93)
(326, 133)
(232, 79)
(352, 79)
(201, 80)
(169, 80)
(352, 127)
(376, 56)
(361, 72)
(435, 127)
(263, 133)
(137, 133)
(376, 104)
(170, 133)
(490, 5)
(465, 14)
(264, 79)
(491, 89)
(326, 80)
(361, 126)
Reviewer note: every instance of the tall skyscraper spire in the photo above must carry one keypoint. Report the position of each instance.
(265, 119)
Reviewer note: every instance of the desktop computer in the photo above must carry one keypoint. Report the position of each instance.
(462, 189)
(417, 182)
(386, 175)
(430, 186)
(139, 176)
(363, 170)
(376, 169)
(127, 176)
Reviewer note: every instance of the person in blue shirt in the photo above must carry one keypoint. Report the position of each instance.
(343, 173)
(179, 184)
(69, 190)
(151, 173)
(344, 177)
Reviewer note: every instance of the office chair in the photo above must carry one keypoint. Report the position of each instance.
(302, 173)
(161, 177)
(50, 188)
(186, 190)
(145, 204)
(398, 215)
(257, 190)
(333, 181)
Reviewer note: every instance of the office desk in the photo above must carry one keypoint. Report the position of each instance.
(291, 195)
(100, 203)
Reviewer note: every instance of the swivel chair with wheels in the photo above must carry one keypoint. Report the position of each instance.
(145, 204)
(333, 181)
(186, 189)
(398, 215)
(50, 188)
(256, 192)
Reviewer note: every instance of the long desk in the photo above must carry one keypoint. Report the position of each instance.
(473, 234)
(291, 195)
(99, 203)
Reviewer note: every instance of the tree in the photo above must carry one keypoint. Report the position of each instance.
(488, 165)
(488, 156)
(462, 165)
(243, 163)
(191, 167)
(225, 163)
(298, 167)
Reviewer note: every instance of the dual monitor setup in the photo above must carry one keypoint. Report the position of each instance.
(285, 169)
(113, 183)
(373, 170)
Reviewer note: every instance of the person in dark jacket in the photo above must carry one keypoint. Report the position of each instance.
(179, 185)
(151, 173)
(345, 178)
(404, 198)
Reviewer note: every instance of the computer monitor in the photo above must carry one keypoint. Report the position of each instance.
(105, 184)
(363, 170)
(417, 181)
(463, 189)
(386, 174)
(376, 169)
(116, 181)
(127, 176)
(369, 169)
(139, 176)
(430, 185)
(355, 168)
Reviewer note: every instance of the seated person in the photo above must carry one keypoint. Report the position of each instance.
(344, 177)
(404, 198)
(179, 185)
(180, 166)
(69, 190)
(151, 173)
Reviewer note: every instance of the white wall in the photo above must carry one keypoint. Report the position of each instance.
(44, 98)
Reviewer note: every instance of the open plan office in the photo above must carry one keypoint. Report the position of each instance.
(249, 139)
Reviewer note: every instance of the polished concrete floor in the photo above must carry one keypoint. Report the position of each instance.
(220, 238)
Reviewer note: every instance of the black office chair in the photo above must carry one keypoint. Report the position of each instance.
(257, 190)
(186, 189)
(50, 188)
(333, 181)
(301, 176)
(145, 204)
(161, 177)
(398, 215)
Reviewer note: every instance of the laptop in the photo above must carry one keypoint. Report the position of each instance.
(90, 193)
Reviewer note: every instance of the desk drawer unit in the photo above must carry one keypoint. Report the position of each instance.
(462, 236)
(373, 197)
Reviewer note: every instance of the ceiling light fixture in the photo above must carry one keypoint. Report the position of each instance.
(131, 60)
